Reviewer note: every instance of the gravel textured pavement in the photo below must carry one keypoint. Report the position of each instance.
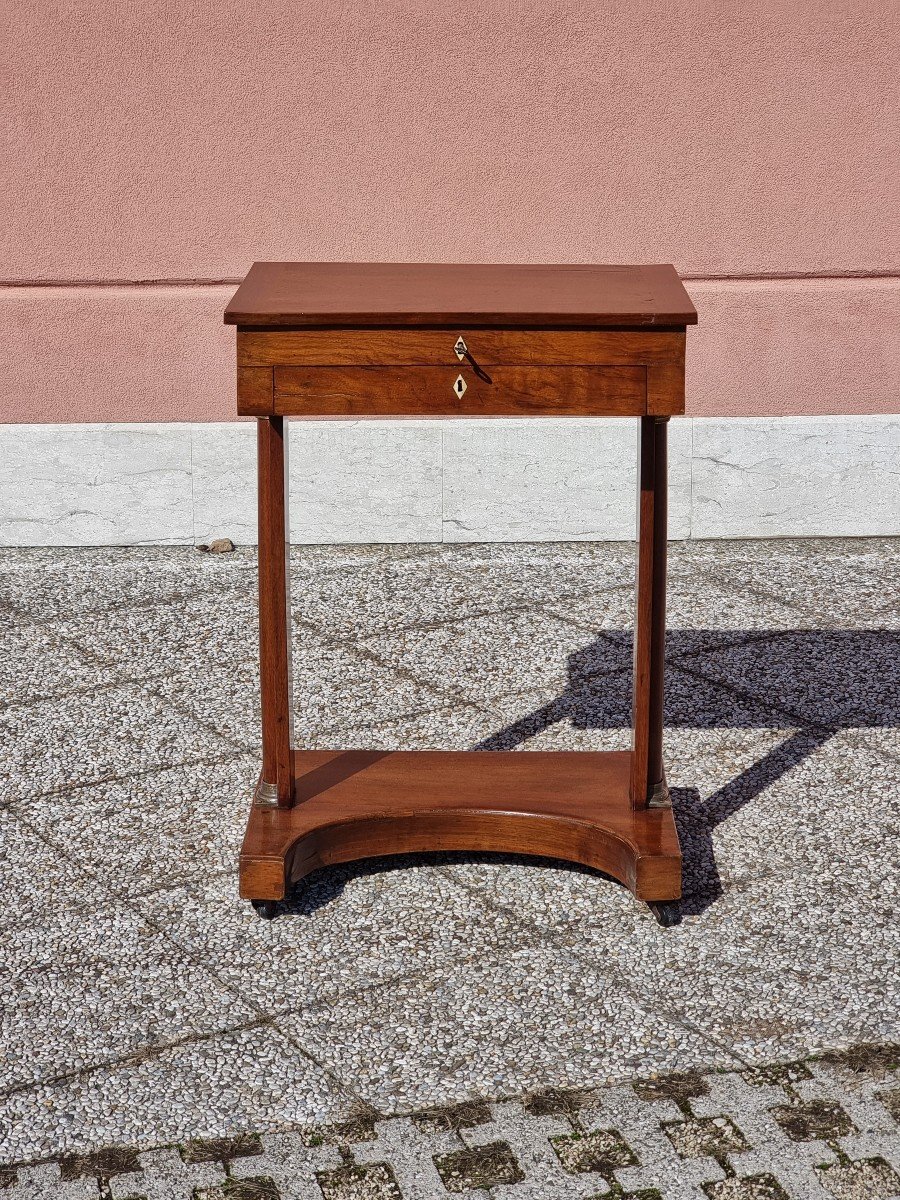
(146, 1007)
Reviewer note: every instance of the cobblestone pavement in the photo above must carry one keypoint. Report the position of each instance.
(822, 1130)
(145, 1007)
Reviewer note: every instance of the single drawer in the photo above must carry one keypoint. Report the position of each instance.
(447, 347)
(460, 391)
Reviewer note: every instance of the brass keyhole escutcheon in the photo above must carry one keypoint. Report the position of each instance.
(461, 349)
(459, 385)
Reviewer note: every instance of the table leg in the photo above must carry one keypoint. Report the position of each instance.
(275, 787)
(648, 784)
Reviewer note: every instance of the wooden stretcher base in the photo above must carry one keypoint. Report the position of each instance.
(354, 804)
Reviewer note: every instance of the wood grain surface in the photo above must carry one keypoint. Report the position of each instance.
(405, 294)
(355, 804)
(274, 607)
(435, 347)
(377, 340)
(647, 776)
(431, 391)
(255, 391)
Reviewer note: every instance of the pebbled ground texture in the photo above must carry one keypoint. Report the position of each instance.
(449, 1024)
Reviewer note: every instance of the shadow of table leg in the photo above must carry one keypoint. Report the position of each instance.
(697, 818)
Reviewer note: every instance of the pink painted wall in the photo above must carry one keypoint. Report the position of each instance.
(163, 148)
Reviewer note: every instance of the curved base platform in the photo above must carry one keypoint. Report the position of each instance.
(352, 804)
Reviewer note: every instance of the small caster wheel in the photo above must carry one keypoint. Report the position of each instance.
(267, 909)
(667, 912)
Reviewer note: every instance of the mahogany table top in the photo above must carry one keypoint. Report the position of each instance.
(384, 294)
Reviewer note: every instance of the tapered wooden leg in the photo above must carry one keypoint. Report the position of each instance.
(275, 787)
(648, 785)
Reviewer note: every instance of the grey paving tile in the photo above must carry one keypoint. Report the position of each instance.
(770, 1153)
(33, 877)
(411, 1150)
(153, 830)
(628, 1141)
(705, 769)
(860, 1180)
(293, 1166)
(36, 663)
(495, 1025)
(547, 571)
(832, 677)
(323, 557)
(881, 741)
(548, 896)
(203, 634)
(594, 713)
(531, 1146)
(44, 583)
(775, 969)
(862, 1095)
(740, 789)
(44, 1182)
(693, 701)
(56, 744)
(807, 805)
(334, 688)
(843, 582)
(700, 612)
(824, 590)
(491, 655)
(364, 597)
(591, 706)
(401, 916)
(560, 556)
(609, 611)
(452, 975)
(801, 552)
(212, 1087)
(400, 595)
(163, 1175)
(225, 701)
(555, 718)
(792, 899)
(459, 725)
(641, 1123)
(83, 987)
(738, 794)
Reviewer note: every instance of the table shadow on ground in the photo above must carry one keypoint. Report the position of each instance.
(853, 676)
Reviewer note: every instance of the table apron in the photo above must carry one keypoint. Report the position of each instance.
(437, 347)
(460, 391)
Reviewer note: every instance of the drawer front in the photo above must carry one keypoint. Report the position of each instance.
(554, 391)
(437, 347)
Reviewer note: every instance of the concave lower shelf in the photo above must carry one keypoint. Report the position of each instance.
(351, 804)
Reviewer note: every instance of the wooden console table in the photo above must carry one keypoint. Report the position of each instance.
(403, 340)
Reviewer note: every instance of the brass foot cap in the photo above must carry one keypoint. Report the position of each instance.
(266, 794)
(659, 796)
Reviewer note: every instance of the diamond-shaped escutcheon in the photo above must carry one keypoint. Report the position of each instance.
(461, 348)
(459, 385)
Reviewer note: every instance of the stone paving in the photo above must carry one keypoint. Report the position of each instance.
(449, 1024)
(823, 1129)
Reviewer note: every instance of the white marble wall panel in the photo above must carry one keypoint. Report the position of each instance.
(350, 481)
(391, 481)
(796, 477)
(224, 470)
(365, 481)
(553, 480)
(93, 485)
